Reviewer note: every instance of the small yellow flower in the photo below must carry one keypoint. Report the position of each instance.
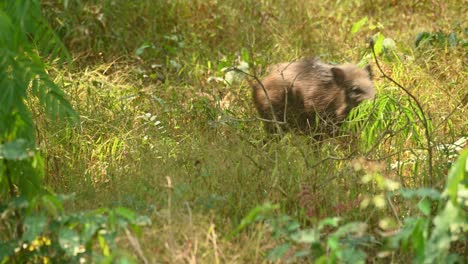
(46, 241)
(31, 247)
(46, 260)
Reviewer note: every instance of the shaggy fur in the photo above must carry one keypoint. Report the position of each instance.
(310, 96)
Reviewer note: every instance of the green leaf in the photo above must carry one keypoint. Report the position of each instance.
(306, 236)
(328, 222)
(449, 225)
(333, 242)
(104, 246)
(425, 206)
(413, 234)
(7, 249)
(353, 255)
(422, 37)
(245, 55)
(357, 26)
(293, 226)
(378, 40)
(123, 260)
(69, 241)
(252, 216)
(278, 252)
(126, 213)
(52, 204)
(18, 203)
(139, 51)
(452, 39)
(457, 177)
(430, 193)
(34, 226)
(89, 230)
(354, 227)
(302, 253)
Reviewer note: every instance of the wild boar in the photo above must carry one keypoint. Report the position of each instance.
(309, 96)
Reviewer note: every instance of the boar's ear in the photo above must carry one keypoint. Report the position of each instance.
(369, 71)
(338, 75)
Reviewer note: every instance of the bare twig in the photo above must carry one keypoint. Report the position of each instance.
(349, 156)
(271, 121)
(136, 246)
(462, 103)
(275, 119)
(286, 93)
(422, 118)
(395, 213)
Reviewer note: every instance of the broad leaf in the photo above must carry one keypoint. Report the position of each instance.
(34, 226)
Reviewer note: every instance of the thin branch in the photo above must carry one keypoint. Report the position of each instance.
(275, 119)
(423, 117)
(287, 89)
(462, 103)
(395, 213)
(136, 246)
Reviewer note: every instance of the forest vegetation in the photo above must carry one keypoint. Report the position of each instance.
(128, 134)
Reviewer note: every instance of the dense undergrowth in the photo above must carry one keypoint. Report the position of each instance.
(167, 131)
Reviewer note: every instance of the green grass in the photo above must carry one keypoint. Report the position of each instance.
(172, 151)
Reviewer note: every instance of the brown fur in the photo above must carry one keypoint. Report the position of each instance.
(317, 97)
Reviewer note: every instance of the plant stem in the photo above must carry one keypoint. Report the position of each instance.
(422, 118)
